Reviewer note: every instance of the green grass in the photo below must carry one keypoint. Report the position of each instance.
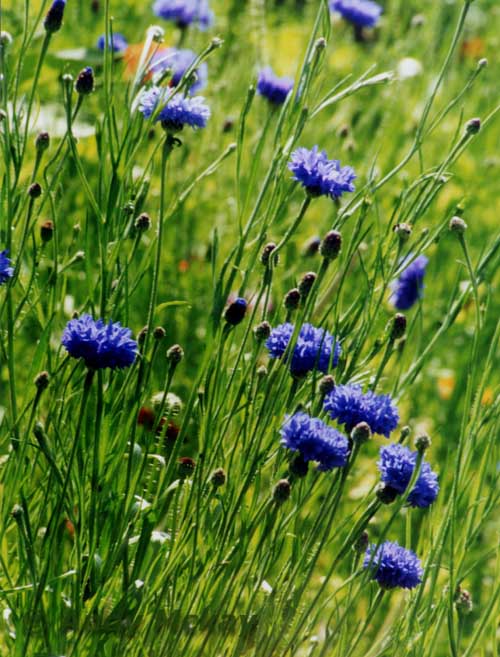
(109, 547)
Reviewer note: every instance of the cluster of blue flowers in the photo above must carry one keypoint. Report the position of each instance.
(408, 289)
(397, 464)
(363, 13)
(315, 441)
(100, 345)
(349, 406)
(393, 566)
(315, 348)
(178, 61)
(174, 110)
(272, 87)
(6, 270)
(117, 42)
(185, 12)
(319, 175)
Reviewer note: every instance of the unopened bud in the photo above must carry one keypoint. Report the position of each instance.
(175, 354)
(282, 491)
(47, 231)
(306, 283)
(331, 245)
(458, 225)
(397, 327)
(42, 381)
(403, 231)
(386, 494)
(159, 333)
(218, 478)
(143, 222)
(42, 142)
(262, 331)
(473, 126)
(361, 433)
(292, 299)
(235, 312)
(266, 256)
(84, 84)
(361, 543)
(35, 190)
(326, 384)
(422, 443)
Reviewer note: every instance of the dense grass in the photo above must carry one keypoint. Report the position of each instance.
(109, 544)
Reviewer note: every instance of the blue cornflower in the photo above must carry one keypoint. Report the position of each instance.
(272, 87)
(54, 17)
(100, 345)
(117, 42)
(410, 284)
(185, 12)
(349, 406)
(174, 111)
(363, 13)
(6, 271)
(393, 566)
(315, 348)
(396, 466)
(319, 175)
(315, 441)
(178, 62)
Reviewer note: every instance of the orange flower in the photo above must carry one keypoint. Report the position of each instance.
(183, 266)
(132, 56)
(446, 385)
(472, 48)
(487, 397)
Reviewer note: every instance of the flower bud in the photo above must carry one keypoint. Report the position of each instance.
(17, 512)
(403, 231)
(482, 63)
(298, 467)
(266, 256)
(54, 17)
(292, 299)
(473, 126)
(262, 331)
(422, 443)
(458, 225)
(262, 371)
(5, 39)
(143, 222)
(282, 491)
(360, 544)
(386, 494)
(47, 231)
(405, 432)
(175, 354)
(235, 312)
(84, 84)
(35, 190)
(331, 245)
(463, 601)
(141, 338)
(42, 142)
(186, 466)
(326, 384)
(159, 333)
(361, 433)
(306, 283)
(397, 327)
(42, 381)
(218, 478)
(311, 247)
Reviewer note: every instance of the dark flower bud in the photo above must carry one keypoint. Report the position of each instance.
(84, 84)
(386, 494)
(159, 333)
(143, 222)
(306, 283)
(94, 5)
(175, 354)
(42, 142)
(141, 338)
(235, 312)
(42, 380)
(311, 247)
(54, 17)
(343, 131)
(405, 432)
(262, 331)
(422, 443)
(5, 39)
(266, 254)
(320, 43)
(298, 467)
(282, 490)
(228, 125)
(360, 545)
(218, 478)
(47, 231)
(473, 126)
(186, 466)
(17, 512)
(397, 327)
(128, 209)
(361, 433)
(292, 299)
(463, 601)
(458, 225)
(326, 385)
(482, 63)
(403, 231)
(331, 245)
(35, 190)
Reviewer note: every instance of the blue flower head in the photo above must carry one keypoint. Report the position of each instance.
(396, 466)
(362, 13)
(185, 12)
(319, 175)
(408, 289)
(6, 271)
(315, 441)
(349, 406)
(178, 62)
(272, 87)
(315, 348)
(100, 345)
(393, 566)
(54, 17)
(117, 42)
(174, 111)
